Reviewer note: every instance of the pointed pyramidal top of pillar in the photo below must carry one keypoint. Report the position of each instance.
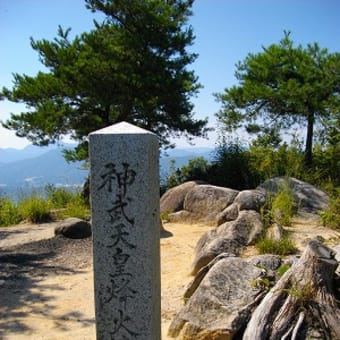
(121, 128)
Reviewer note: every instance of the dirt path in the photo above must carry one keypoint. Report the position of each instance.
(303, 230)
(47, 298)
(25, 233)
(46, 286)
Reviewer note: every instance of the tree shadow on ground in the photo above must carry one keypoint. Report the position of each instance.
(4, 233)
(22, 269)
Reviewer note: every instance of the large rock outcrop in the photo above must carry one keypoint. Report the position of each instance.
(245, 200)
(307, 198)
(250, 199)
(173, 199)
(236, 298)
(222, 297)
(206, 201)
(232, 297)
(229, 237)
(196, 202)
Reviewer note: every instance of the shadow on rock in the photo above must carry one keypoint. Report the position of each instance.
(166, 234)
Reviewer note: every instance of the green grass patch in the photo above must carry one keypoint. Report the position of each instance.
(58, 197)
(283, 269)
(35, 209)
(285, 246)
(77, 207)
(9, 213)
(266, 211)
(331, 217)
(304, 295)
(57, 203)
(283, 206)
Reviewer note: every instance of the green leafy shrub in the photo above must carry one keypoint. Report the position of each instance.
(279, 208)
(174, 178)
(283, 206)
(326, 159)
(331, 217)
(58, 197)
(77, 207)
(266, 211)
(9, 213)
(230, 167)
(267, 162)
(285, 246)
(236, 165)
(35, 209)
(196, 169)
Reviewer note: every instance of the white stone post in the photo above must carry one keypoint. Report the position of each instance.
(126, 232)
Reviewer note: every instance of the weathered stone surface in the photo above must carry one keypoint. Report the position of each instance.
(204, 202)
(307, 198)
(245, 229)
(275, 232)
(73, 228)
(249, 227)
(245, 200)
(126, 232)
(229, 237)
(180, 216)
(337, 256)
(250, 199)
(337, 252)
(172, 200)
(228, 214)
(210, 246)
(269, 262)
(221, 302)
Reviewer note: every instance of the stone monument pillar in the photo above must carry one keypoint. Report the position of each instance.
(126, 232)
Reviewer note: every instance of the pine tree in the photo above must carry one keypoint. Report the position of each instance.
(281, 86)
(131, 67)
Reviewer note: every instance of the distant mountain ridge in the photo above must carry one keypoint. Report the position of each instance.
(35, 167)
(10, 155)
(32, 168)
(50, 167)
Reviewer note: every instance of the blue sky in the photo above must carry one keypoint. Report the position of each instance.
(226, 31)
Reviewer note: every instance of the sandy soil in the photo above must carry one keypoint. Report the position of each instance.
(46, 287)
(303, 230)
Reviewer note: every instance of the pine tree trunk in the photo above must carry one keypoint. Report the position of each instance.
(303, 299)
(309, 140)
